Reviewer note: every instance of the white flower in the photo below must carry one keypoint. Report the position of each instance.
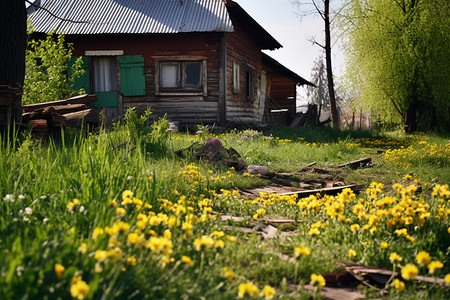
(26, 219)
(43, 197)
(19, 270)
(46, 220)
(81, 208)
(28, 211)
(9, 198)
(129, 177)
(20, 197)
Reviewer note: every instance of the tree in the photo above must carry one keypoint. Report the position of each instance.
(13, 24)
(318, 94)
(48, 76)
(398, 54)
(322, 8)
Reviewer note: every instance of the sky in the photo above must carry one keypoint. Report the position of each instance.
(281, 19)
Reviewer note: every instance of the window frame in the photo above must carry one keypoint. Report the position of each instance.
(250, 84)
(180, 90)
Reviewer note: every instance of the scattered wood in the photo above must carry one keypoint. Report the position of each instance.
(372, 275)
(87, 116)
(337, 293)
(359, 163)
(311, 164)
(81, 99)
(328, 191)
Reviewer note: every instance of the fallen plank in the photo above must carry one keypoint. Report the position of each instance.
(328, 191)
(381, 276)
(81, 99)
(359, 163)
(338, 293)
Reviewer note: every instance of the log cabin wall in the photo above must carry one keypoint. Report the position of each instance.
(243, 53)
(186, 109)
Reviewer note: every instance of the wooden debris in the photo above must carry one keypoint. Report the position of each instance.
(88, 116)
(81, 99)
(380, 276)
(359, 163)
(328, 191)
(338, 293)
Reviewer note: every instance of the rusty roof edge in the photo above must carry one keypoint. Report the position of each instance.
(269, 42)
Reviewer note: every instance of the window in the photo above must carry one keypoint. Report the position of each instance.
(180, 75)
(250, 84)
(185, 75)
(105, 74)
(236, 78)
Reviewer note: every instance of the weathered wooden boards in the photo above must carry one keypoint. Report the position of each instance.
(73, 112)
(10, 103)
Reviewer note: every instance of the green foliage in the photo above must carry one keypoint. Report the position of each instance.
(153, 138)
(398, 56)
(46, 70)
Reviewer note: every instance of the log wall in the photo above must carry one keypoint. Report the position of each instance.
(244, 50)
(186, 109)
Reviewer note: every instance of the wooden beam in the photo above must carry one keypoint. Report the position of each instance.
(327, 191)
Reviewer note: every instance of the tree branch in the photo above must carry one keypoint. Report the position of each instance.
(53, 15)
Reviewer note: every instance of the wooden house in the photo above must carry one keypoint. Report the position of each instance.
(198, 61)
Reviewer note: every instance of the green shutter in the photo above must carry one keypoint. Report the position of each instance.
(106, 99)
(82, 82)
(132, 78)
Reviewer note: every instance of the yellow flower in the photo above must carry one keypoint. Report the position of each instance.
(59, 270)
(409, 271)
(447, 278)
(82, 248)
(317, 280)
(268, 292)
(302, 251)
(435, 265)
(314, 231)
(134, 238)
(218, 234)
(351, 253)
(79, 288)
(394, 257)
(247, 289)
(131, 261)
(228, 273)
(399, 285)
(423, 258)
(187, 260)
(121, 211)
(219, 244)
(383, 245)
(203, 242)
(407, 177)
(354, 227)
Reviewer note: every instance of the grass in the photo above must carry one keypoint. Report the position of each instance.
(114, 215)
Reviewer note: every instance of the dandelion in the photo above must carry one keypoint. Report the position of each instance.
(59, 270)
(131, 261)
(447, 278)
(247, 289)
(407, 177)
(203, 242)
(317, 280)
(187, 260)
(435, 265)
(79, 288)
(82, 248)
(394, 257)
(314, 231)
(121, 211)
(409, 271)
(97, 232)
(268, 292)
(383, 245)
(351, 253)
(354, 227)
(302, 251)
(423, 258)
(229, 274)
(399, 285)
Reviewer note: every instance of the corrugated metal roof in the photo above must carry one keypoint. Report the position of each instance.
(131, 16)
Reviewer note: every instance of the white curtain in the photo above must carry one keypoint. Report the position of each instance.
(105, 74)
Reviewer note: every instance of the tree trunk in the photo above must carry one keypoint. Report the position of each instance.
(411, 117)
(334, 113)
(13, 24)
